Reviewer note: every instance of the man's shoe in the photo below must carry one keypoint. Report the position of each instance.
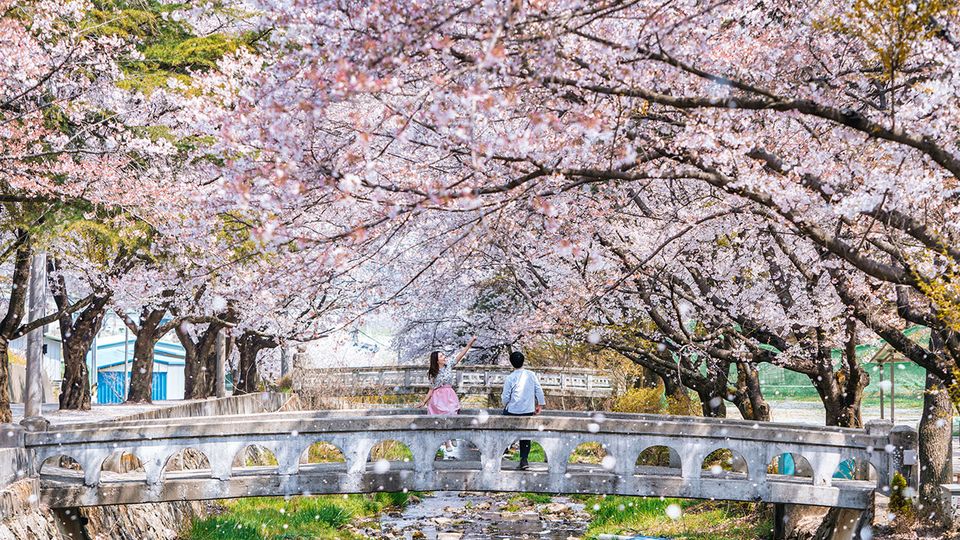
(524, 465)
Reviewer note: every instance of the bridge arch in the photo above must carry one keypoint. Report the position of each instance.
(538, 444)
(658, 460)
(322, 451)
(186, 459)
(793, 464)
(724, 458)
(462, 446)
(58, 464)
(254, 457)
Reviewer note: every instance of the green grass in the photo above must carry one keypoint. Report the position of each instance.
(537, 455)
(699, 520)
(274, 518)
(535, 498)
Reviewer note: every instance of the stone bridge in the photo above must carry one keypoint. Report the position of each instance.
(688, 465)
(573, 382)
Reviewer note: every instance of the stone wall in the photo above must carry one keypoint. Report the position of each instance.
(260, 402)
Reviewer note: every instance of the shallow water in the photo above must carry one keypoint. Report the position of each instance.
(477, 516)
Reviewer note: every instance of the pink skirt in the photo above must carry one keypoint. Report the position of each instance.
(444, 401)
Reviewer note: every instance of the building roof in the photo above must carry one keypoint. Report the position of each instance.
(165, 352)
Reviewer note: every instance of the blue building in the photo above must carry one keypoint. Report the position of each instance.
(114, 363)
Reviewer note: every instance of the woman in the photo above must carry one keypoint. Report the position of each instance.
(442, 399)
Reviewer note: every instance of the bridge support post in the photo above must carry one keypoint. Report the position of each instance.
(33, 418)
(904, 459)
(779, 521)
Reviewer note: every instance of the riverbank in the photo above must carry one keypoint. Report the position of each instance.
(477, 516)
(326, 517)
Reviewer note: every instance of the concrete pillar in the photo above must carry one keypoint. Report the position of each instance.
(285, 360)
(904, 459)
(33, 396)
(221, 351)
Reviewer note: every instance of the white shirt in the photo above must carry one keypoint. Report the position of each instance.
(521, 392)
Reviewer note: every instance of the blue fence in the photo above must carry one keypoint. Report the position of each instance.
(110, 386)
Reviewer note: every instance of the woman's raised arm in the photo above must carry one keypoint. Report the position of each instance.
(463, 352)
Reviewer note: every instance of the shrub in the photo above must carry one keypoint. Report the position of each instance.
(901, 505)
(648, 400)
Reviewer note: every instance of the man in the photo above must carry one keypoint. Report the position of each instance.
(522, 396)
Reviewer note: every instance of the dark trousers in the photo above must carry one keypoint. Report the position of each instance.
(524, 445)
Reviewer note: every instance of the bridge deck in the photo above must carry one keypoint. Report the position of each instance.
(354, 433)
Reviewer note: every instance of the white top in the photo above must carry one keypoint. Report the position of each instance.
(521, 392)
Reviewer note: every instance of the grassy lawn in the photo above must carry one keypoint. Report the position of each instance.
(698, 520)
(537, 455)
(273, 518)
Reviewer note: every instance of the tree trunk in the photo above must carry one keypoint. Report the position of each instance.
(13, 318)
(77, 338)
(191, 367)
(712, 404)
(6, 415)
(840, 391)
(207, 362)
(75, 387)
(249, 345)
(934, 452)
(749, 396)
(248, 378)
(648, 378)
(141, 376)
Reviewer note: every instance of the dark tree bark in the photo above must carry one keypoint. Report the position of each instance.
(12, 325)
(77, 336)
(749, 397)
(935, 430)
(249, 345)
(149, 330)
(841, 391)
(16, 308)
(200, 367)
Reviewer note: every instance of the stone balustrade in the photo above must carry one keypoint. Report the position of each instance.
(753, 447)
(574, 382)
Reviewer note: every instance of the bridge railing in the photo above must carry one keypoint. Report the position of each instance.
(567, 381)
(624, 437)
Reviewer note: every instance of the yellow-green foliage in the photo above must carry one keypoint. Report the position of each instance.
(391, 451)
(124, 23)
(683, 405)
(236, 232)
(99, 240)
(944, 292)
(192, 53)
(324, 452)
(648, 400)
(891, 29)
(168, 47)
(900, 504)
(590, 452)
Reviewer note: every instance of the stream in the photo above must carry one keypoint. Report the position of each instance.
(481, 516)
